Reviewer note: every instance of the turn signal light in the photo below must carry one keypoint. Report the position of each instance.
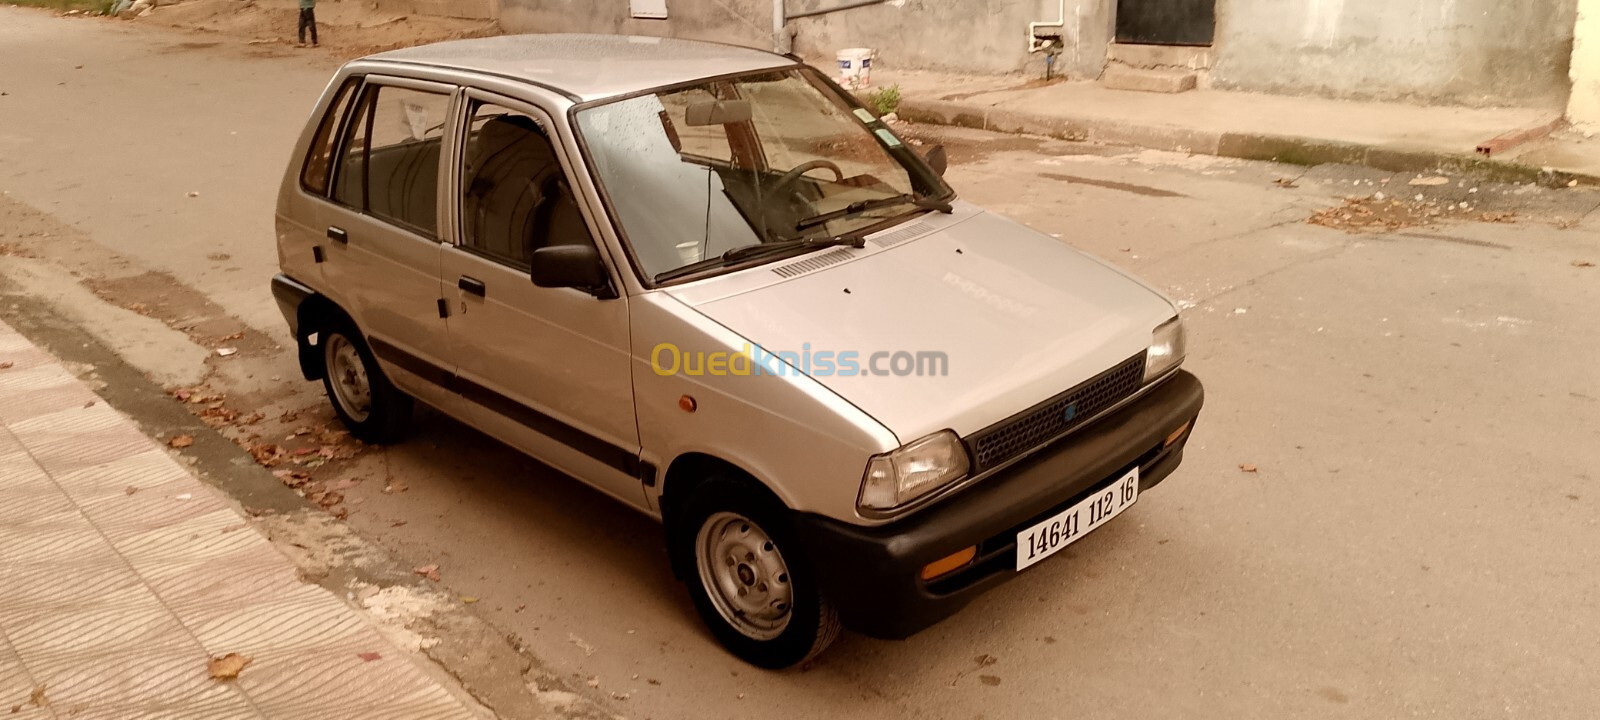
(950, 564)
(1176, 435)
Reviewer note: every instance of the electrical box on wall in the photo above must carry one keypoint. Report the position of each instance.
(651, 9)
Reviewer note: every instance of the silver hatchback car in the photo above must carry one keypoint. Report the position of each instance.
(708, 282)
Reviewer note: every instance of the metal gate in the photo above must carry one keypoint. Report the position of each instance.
(1166, 22)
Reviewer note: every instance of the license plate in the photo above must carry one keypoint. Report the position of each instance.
(1070, 525)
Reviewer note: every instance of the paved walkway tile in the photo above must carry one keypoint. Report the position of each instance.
(121, 575)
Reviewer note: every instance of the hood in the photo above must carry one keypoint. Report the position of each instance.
(975, 320)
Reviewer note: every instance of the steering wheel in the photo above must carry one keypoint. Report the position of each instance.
(783, 183)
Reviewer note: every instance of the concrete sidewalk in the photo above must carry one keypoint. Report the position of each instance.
(122, 575)
(1303, 130)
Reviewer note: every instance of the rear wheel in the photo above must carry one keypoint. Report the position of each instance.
(748, 578)
(371, 407)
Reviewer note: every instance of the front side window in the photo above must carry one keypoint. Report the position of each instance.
(391, 156)
(770, 157)
(514, 196)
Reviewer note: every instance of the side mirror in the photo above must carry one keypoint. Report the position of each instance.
(571, 266)
(938, 159)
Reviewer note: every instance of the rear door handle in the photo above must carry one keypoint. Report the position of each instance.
(338, 234)
(472, 285)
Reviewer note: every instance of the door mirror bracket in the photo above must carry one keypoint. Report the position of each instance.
(938, 159)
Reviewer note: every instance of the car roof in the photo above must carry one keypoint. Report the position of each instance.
(590, 67)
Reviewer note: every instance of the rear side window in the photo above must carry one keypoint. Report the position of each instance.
(318, 169)
(391, 156)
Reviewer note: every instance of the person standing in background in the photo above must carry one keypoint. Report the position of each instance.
(308, 18)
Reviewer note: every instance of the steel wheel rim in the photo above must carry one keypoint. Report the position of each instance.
(745, 576)
(347, 375)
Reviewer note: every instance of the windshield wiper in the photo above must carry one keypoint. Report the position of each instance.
(744, 252)
(860, 206)
(748, 251)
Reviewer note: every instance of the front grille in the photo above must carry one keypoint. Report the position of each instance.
(1002, 441)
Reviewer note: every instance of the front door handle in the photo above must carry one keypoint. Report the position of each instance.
(337, 234)
(472, 285)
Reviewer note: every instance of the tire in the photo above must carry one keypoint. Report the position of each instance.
(379, 414)
(752, 534)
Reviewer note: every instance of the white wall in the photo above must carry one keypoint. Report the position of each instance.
(1583, 109)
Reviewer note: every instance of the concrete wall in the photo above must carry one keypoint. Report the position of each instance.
(1584, 107)
(975, 36)
(1474, 52)
(740, 22)
(984, 36)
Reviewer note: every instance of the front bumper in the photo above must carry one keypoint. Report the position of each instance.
(872, 574)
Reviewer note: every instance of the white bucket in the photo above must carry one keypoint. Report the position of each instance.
(855, 67)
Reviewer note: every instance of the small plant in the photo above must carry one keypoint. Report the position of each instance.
(885, 100)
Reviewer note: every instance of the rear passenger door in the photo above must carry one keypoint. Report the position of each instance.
(547, 369)
(383, 232)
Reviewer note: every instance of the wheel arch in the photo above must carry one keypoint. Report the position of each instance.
(691, 470)
(314, 315)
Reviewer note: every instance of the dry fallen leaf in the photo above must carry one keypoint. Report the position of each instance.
(7, 365)
(1582, 263)
(1247, 467)
(37, 697)
(180, 441)
(430, 572)
(990, 680)
(131, 489)
(89, 404)
(369, 656)
(228, 666)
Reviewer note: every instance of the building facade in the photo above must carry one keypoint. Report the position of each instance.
(1462, 52)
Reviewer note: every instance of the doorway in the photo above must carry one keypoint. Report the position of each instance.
(1166, 22)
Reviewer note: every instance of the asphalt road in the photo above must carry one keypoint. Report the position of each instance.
(1418, 538)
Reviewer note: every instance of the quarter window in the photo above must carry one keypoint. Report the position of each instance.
(319, 157)
(514, 196)
(391, 156)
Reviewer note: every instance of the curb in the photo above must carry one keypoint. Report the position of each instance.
(1245, 146)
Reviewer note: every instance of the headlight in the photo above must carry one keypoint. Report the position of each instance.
(896, 478)
(1166, 349)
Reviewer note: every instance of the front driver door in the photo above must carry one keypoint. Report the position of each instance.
(547, 369)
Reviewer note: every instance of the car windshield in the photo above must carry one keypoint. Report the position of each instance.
(774, 157)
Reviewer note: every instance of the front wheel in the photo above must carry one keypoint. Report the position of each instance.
(371, 407)
(749, 580)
